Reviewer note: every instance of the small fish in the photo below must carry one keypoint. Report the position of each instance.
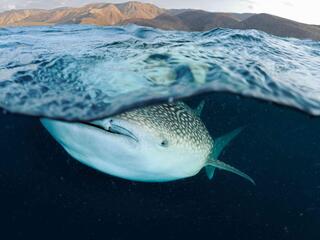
(152, 144)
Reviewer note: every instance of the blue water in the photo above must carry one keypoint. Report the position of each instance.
(84, 72)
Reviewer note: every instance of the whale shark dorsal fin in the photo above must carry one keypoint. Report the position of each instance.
(223, 166)
(213, 162)
(198, 110)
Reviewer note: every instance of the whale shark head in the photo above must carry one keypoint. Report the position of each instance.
(155, 143)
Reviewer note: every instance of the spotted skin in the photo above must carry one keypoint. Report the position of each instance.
(176, 123)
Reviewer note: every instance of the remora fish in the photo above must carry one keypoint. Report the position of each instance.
(152, 144)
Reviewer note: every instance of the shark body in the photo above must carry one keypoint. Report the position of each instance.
(152, 144)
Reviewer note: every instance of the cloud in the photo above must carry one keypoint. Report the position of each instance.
(11, 7)
(248, 1)
(287, 3)
(250, 4)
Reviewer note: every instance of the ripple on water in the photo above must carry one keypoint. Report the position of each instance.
(86, 72)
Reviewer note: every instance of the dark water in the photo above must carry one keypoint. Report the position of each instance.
(45, 194)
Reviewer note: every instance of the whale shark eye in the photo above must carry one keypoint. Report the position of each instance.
(164, 143)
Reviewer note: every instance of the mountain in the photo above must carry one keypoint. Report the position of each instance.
(99, 14)
(12, 17)
(240, 16)
(163, 21)
(139, 10)
(188, 20)
(280, 26)
(150, 15)
(197, 20)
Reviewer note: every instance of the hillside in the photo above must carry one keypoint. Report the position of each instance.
(99, 14)
(280, 26)
(188, 20)
(150, 15)
(196, 20)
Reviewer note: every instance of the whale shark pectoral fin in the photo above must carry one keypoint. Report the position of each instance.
(213, 161)
(221, 142)
(210, 171)
(223, 166)
(198, 110)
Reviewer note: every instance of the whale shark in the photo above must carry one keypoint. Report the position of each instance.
(157, 143)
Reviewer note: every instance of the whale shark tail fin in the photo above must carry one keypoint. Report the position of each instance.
(213, 161)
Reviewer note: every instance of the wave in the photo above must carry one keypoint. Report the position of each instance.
(86, 72)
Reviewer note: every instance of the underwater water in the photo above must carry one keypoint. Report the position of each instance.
(81, 73)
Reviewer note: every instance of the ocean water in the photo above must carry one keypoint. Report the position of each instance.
(247, 78)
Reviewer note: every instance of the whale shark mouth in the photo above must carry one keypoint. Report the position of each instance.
(113, 129)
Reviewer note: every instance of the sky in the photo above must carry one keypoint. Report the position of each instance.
(306, 11)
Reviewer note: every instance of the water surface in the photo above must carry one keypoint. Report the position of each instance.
(86, 72)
